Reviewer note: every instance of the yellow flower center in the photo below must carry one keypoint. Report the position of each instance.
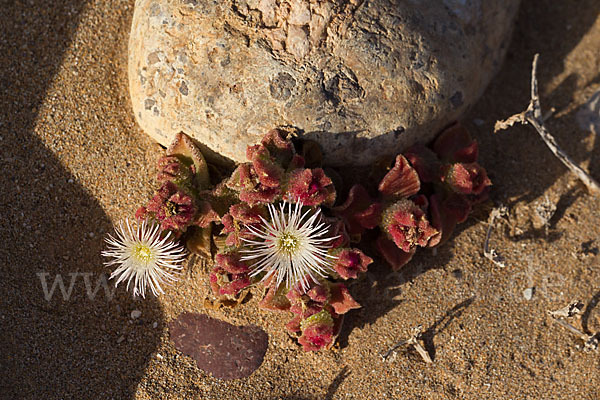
(142, 253)
(288, 243)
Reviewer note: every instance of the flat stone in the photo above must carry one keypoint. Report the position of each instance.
(226, 351)
(364, 78)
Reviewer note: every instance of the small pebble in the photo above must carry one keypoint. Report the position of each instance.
(135, 314)
(159, 356)
(528, 293)
(155, 325)
(120, 339)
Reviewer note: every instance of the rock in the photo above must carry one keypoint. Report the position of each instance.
(364, 78)
(135, 314)
(226, 351)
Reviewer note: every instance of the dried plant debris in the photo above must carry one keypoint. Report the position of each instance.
(414, 341)
(491, 253)
(568, 311)
(533, 116)
(590, 341)
(544, 212)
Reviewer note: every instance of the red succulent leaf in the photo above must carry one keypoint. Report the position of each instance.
(454, 144)
(171, 168)
(206, 215)
(231, 263)
(441, 219)
(311, 187)
(247, 214)
(394, 256)
(351, 262)
(243, 177)
(359, 211)
(237, 284)
(466, 178)
(407, 225)
(279, 145)
(337, 230)
(260, 194)
(268, 172)
(294, 325)
(424, 161)
(141, 213)
(275, 300)
(223, 283)
(401, 181)
(318, 293)
(317, 331)
(173, 208)
(341, 300)
(183, 146)
(457, 206)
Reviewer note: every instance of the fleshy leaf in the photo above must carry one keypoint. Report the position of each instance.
(350, 263)
(407, 225)
(341, 300)
(424, 161)
(184, 146)
(359, 211)
(401, 181)
(454, 144)
(275, 299)
(466, 178)
(394, 256)
(310, 186)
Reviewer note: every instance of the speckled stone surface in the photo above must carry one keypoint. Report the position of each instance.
(364, 78)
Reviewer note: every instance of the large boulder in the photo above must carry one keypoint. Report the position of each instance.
(363, 78)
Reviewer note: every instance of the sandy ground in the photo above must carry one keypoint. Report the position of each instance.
(73, 161)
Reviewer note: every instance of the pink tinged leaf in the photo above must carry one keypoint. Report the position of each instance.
(454, 144)
(359, 211)
(317, 331)
(294, 325)
(341, 300)
(401, 181)
(279, 145)
(310, 186)
(318, 293)
(183, 145)
(441, 219)
(260, 195)
(466, 178)
(206, 215)
(424, 161)
(237, 284)
(394, 256)
(407, 225)
(141, 213)
(351, 262)
(247, 214)
(268, 172)
(231, 263)
(457, 206)
(275, 299)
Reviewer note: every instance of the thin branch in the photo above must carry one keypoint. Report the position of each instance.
(412, 341)
(489, 253)
(533, 115)
(590, 342)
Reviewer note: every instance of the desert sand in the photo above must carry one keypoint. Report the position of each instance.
(74, 162)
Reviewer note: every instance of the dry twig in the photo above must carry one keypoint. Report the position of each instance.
(489, 253)
(412, 341)
(533, 116)
(590, 342)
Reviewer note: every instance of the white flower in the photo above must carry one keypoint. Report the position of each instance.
(290, 247)
(143, 256)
